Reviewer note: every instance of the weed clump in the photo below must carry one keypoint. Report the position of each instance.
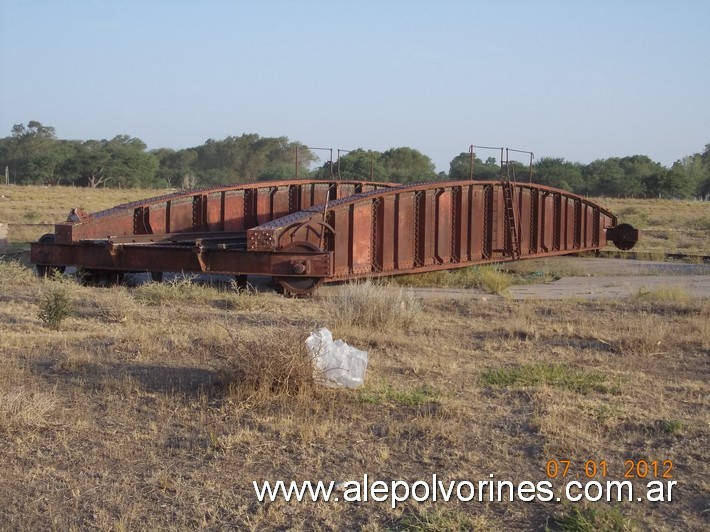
(490, 278)
(592, 518)
(14, 273)
(671, 426)
(272, 361)
(114, 306)
(55, 308)
(664, 293)
(176, 290)
(494, 280)
(372, 305)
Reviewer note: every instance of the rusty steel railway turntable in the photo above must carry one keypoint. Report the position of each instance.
(306, 232)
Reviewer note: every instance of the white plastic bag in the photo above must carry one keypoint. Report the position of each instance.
(340, 363)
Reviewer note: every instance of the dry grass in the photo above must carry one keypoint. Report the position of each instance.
(158, 411)
(668, 226)
(372, 305)
(665, 293)
(47, 204)
(265, 363)
(23, 410)
(34, 209)
(156, 407)
(490, 278)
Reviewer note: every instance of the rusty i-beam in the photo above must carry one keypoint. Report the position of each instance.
(306, 232)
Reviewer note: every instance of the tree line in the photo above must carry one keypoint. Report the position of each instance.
(32, 154)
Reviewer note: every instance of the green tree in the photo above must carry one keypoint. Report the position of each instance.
(604, 177)
(407, 165)
(559, 173)
(356, 165)
(642, 176)
(248, 158)
(682, 180)
(90, 163)
(48, 166)
(29, 153)
(176, 168)
(129, 165)
(702, 188)
(460, 168)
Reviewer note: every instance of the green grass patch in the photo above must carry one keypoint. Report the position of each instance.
(385, 393)
(654, 255)
(591, 519)
(554, 375)
(671, 426)
(178, 289)
(489, 277)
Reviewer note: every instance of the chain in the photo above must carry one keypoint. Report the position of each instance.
(486, 210)
(292, 191)
(454, 214)
(556, 213)
(376, 267)
(577, 223)
(534, 205)
(417, 212)
(507, 237)
(247, 213)
(136, 214)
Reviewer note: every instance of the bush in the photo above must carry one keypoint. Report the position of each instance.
(54, 308)
(270, 361)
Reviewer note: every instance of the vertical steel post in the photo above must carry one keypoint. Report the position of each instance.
(470, 173)
(531, 164)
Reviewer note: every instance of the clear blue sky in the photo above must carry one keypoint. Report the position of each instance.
(580, 80)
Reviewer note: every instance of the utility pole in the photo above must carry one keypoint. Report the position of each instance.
(7, 175)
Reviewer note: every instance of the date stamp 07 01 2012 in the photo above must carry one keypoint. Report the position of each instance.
(599, 468)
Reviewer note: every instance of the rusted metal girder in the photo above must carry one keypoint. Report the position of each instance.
(210, 210)
(445, 225)
(304, 233)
